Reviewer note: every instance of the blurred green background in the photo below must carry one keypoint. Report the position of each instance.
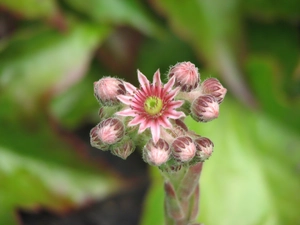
(51, 52)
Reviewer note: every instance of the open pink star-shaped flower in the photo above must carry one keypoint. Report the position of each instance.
(152, 105)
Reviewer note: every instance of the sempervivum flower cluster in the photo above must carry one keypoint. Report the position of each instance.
(151, 117)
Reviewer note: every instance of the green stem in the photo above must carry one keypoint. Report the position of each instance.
(182, 195)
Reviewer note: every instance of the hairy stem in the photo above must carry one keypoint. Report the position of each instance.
(182, 195)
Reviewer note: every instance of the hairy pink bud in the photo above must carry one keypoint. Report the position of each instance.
(106, 133)
(123, 149)
(179, 128)
(204, 148)
(205, 108)
(186, 76)
(107, 89)
(213, 87)
(156, 154)
(183, 149)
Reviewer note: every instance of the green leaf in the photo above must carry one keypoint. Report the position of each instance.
(277, 40)
(43, 61)
(271, 10)
(78, 104)
(162, 53)
(31, 9)
(251, 178)
(267, 79)
(118, 12)
(202, 23)
(38, 170)
(271, 68)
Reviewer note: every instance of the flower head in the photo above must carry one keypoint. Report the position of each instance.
(214, 87)
(106, 133)
(124, 148)
(156, 154)
(152, 105)
(186, 76)
(183, 149)
(205, 108)
(204, 148)
(107, 89)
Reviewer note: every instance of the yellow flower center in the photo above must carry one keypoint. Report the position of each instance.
(153, 105)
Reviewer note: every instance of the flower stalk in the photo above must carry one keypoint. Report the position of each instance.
(151, 118)
(182, 195)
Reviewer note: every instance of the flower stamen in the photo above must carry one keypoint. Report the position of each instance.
(153, 105)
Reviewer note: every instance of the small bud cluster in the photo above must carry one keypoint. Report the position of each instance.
(110, 133)
(150, 117)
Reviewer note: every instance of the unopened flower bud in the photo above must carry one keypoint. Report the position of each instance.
(179, 128)
(183, 149)
(205, 108)
(107, 89)
(181, 124)
(106, 133)
(124, 148)
(156, 154)
(186, 76)
(213, 87)
(204, 148)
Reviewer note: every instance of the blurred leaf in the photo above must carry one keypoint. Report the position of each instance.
(253, 175)
(154, 204)
(78, 104)
(269, 9)
(31, 9)
(162, 53)
(211, 27)
(118, 12)
(278, 40)
(38, 170)
(34, 63)
(264, 70)
(205, 24)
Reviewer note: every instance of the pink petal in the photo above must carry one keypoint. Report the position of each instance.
(168, 86)
(174, 92)
(175, 114)
(156, 79)
(144, 82)
(126, 112)
(144, 125)
(165, 122)
(137, 120)
(175, 104)
(129, 88)
(155, 131)
(171, 94)
(125, 99)
(138, 107)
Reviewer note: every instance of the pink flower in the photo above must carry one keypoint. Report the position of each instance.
(152, 105)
